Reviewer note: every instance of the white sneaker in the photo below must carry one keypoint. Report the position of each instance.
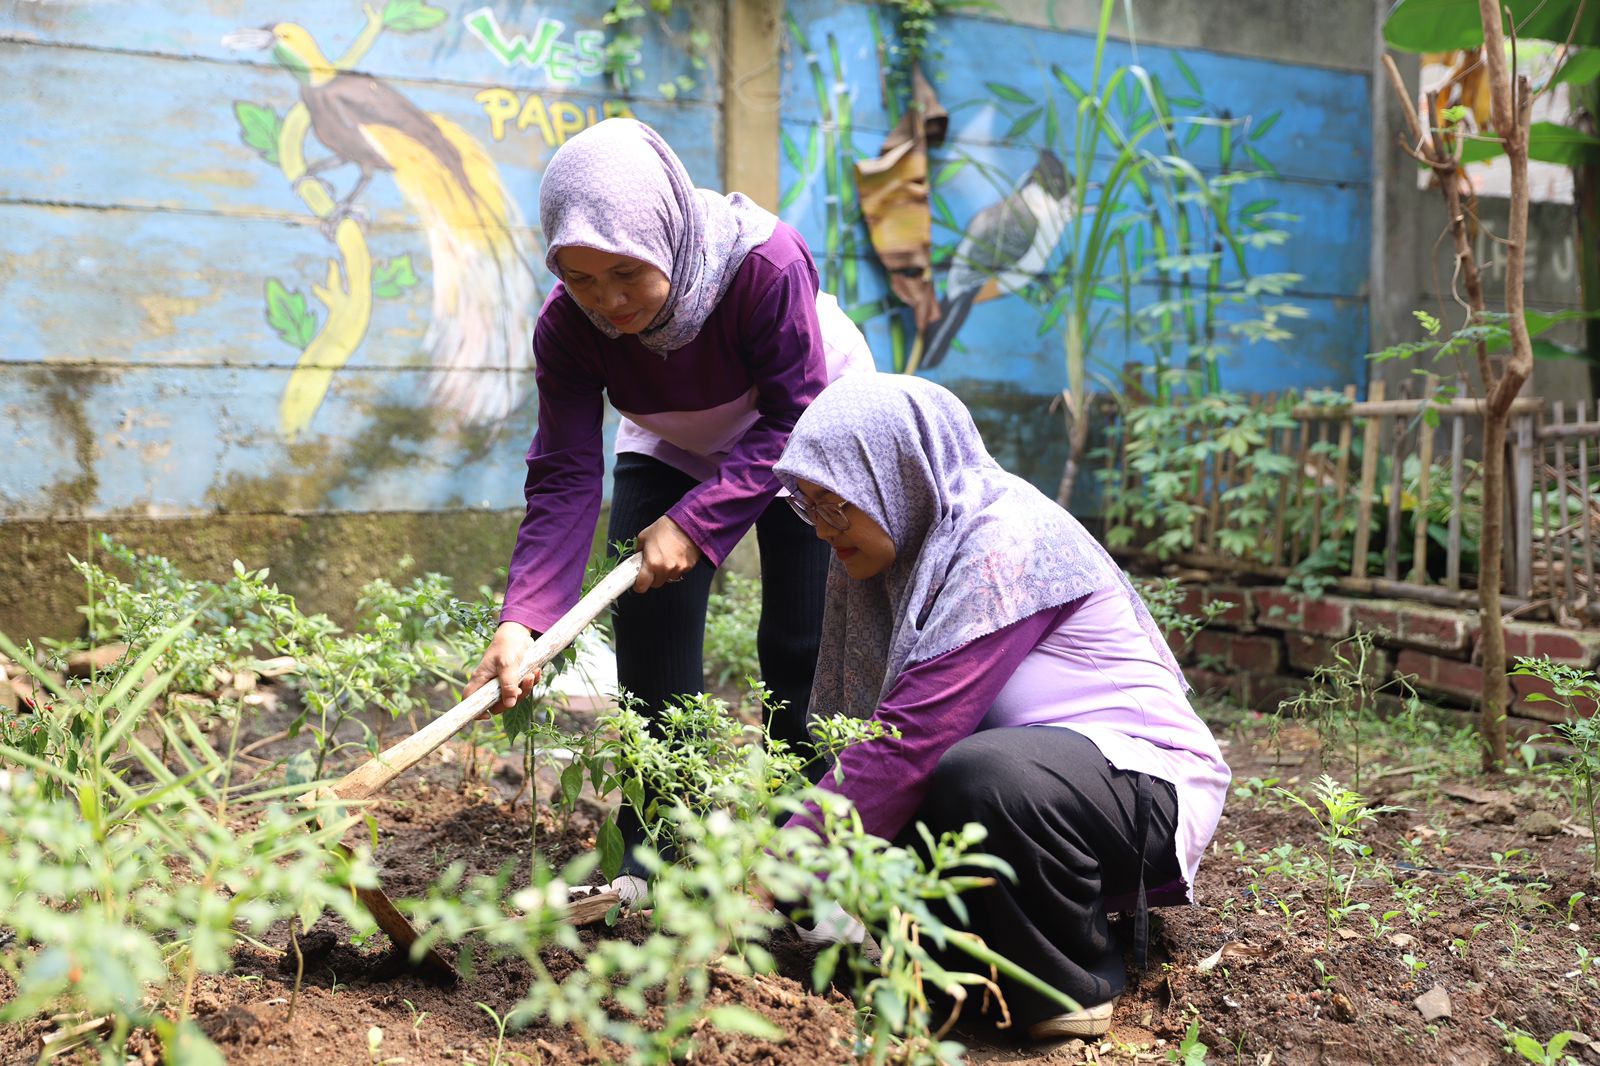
(1090, 1021)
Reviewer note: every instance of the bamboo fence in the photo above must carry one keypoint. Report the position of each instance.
(1354, 477)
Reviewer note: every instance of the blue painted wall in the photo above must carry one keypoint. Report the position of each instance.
(1307, 133)
(162, 279)
(160, 272)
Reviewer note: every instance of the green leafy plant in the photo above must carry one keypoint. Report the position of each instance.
(1527, 1047)
(122, 873)
(1341, 815)
(1581, 765)
(733, 615)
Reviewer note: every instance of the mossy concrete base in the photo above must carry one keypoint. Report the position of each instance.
(322, 559)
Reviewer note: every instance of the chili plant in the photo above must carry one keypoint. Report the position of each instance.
(1340, 815)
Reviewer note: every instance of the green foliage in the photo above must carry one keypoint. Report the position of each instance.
(259, 127)
(1528, 1048)
(1172, 449)
(1191, 1051)
(1341, 816)
(1581, 764)
(120, 875)
(288, 315)
(407, 634)
(732, 618)
(1164, 597)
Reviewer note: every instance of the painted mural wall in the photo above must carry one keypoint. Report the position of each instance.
(1297, 138)
(283, 256)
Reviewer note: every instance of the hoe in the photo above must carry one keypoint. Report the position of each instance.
(374, 775)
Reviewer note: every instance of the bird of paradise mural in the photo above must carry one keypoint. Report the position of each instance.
(484, 288)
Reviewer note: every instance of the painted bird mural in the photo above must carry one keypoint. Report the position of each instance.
(484, 288)
(1006, 247)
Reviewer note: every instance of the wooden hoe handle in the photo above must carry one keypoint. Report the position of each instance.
(376, 773)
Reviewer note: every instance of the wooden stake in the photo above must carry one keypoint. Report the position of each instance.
(1369, 483)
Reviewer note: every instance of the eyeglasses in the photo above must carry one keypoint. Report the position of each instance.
(831, 513)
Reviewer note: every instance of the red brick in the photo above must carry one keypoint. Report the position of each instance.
(1581, 649)
(1267, 692)
(1437, 628)
(1323, 616)
(1378, 617)
(1238, 653)
(1464, 681)
(1435, 673)
(1242, 615)
(1308, 654)
(1210, 683)
(1182, 647)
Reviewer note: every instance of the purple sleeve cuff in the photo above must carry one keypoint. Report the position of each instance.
(934, 704)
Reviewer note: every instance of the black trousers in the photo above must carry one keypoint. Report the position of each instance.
(1067, 821)
(660, 635)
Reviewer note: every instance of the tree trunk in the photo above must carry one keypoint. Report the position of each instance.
(1496, 689)
(1512, 107)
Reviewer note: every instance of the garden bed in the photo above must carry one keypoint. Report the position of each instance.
(1479, 887)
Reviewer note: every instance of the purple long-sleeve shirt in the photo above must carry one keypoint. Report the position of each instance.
(1086, 666)
(720, 409)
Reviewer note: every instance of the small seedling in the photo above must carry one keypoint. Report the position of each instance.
(500, 1026)
(1526, 1046)
(1190, 1051)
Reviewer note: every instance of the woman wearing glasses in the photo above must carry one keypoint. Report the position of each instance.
(965, 607)
(698, 317)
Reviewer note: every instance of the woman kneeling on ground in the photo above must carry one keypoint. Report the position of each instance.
(963, 605)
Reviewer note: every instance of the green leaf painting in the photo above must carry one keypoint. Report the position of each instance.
(1007, 93)
(287, 313)
(411, 16)
(258, 128)
(392, 279)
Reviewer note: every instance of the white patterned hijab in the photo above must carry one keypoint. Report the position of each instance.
(977, 548)
(617, 187)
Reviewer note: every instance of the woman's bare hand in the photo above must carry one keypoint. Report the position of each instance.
(507, 651)
(667, 552)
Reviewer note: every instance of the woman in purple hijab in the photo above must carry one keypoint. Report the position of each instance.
(1032, 691)
(697, 316)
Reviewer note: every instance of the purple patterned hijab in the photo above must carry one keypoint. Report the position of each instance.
(976, 548)
(618, 187)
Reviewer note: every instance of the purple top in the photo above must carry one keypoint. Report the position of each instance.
(761, 344)
(1084, 666)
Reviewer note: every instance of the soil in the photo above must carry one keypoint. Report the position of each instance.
(1284, 990)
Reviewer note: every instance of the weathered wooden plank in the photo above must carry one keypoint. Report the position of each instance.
(1522, 506)
(173, 139)
(1341, 474)
(1391, 533)
(559, 45)
(1458, 450)
(968, 177)
(1371, 435)
(1561, 533)
(1322, 132)
(1419, 517)
(186, 440)
(1586, 501)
